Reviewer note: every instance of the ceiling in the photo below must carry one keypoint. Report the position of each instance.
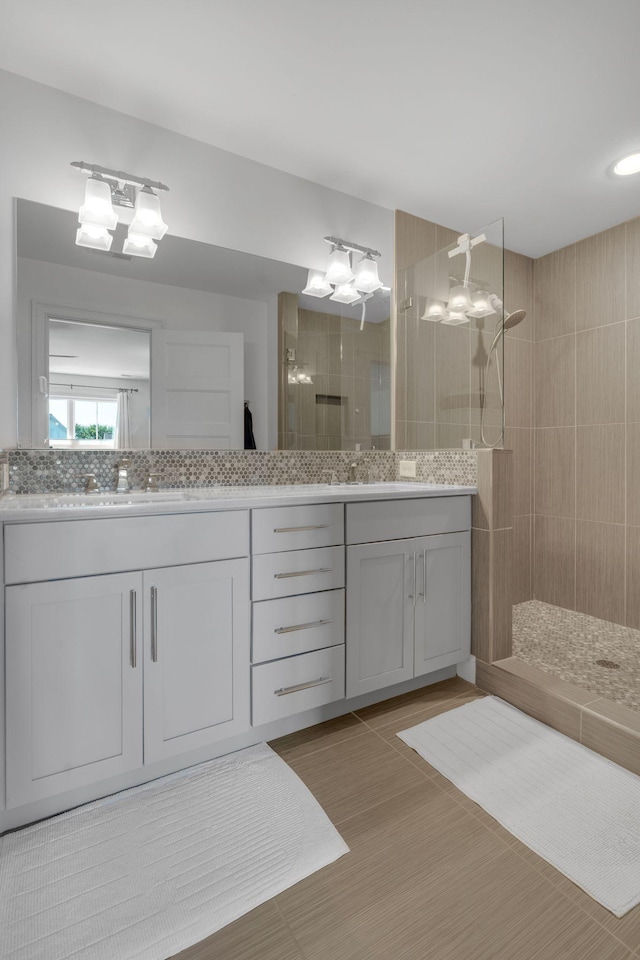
(89, 350)
(457, 111)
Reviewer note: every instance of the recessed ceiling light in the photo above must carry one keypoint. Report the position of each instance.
(627, 165)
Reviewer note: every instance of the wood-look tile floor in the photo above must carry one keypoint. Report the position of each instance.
(430, 875)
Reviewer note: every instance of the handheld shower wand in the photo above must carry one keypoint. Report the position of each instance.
(504, 322)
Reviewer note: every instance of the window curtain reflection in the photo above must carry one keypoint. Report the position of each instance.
(123, 421)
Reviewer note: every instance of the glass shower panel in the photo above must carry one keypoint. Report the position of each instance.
(450, 353)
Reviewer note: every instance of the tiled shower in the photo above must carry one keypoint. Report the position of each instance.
(573, 422)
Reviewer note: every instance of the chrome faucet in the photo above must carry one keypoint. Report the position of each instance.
(151, 485)
(123, 476)
(352, 472)
(91, 484)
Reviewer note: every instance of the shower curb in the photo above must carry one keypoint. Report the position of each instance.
(606, 727)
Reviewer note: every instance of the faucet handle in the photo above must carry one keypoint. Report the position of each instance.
(125, 462)
(92, 484)
(152, 481)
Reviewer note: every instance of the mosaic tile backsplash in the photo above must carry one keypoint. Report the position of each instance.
(56, 471)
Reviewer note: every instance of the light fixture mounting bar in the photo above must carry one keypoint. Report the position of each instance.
(356, 247)
(118, 175)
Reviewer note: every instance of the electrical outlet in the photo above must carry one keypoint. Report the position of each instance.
(407, 468)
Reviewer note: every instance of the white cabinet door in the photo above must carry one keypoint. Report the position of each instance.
(196, 656)
(197, 390)
(442, 611)
(380, 582)
(74, 684)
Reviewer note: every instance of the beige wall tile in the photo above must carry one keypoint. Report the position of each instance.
(600, 271)
(415, 239)
(522, 549)
(401, 370)
(562, 688)
(633, 473)
(600, 481)
(600, 570)
(521, 443)
(554, 561)
(554, 278)
(480, 594)
(633, 267)
(609, 737)
(632, 615)
(420, 370)
(633, 369)
(600, 375)
(555, 472)
(450, 435)
(518, 292)
(501, 594)
(482, 502)
(452, 374)
(502, 489)
(420, 436)
(555, 382)
(518, 383)
(533, 698)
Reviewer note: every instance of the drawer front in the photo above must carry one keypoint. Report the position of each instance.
(402, 519)
(77, 548)
(285, 687)
(282, 628)
(300, 571)
(276, 529)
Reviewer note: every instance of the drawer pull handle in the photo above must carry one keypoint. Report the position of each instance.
(302, 626)
(284, 691)
(313, 526)
(154, 624)
(302, 573)
(133, 639)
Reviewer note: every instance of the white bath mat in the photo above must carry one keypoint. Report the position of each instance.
(152, 870)
(575, 809)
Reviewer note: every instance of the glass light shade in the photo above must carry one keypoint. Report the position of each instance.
(345, 293)
(366, 277)
(317, 285)
(339, 266)
(97, 207)
(94, 236)
(481, 305)
(137, 245)
(456, 317)
(435, 310)
(147, 219)
(459, 299)
(628, 165)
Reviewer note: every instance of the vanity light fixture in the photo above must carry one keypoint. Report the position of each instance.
(339, 265)
(481, 305)
(106, 188)
(366, 275)
(345, 293)
(460, 298)
(628, 165)
(317, 284)
(456, 317)
(435, 310)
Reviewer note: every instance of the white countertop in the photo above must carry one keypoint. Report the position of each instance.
(18, 508)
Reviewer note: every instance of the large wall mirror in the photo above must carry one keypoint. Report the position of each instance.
(130, 353)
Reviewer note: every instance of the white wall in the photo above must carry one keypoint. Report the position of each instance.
(216, 197)
(176, 307)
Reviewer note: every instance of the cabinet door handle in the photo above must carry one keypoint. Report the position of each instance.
(421, 592)
(313, 526)
(133, 638)
(424, 577)
(413, 588)
(284, 691)
(302, 573)
(302, 626)
(154, 624)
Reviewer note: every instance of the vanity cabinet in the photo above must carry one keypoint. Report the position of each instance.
(73, 683)
(298, 653)
(408, 606)
(106, 673)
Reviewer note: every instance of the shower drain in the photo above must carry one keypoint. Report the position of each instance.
(609, 664)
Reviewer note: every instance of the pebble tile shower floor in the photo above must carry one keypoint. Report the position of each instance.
(569, 645)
